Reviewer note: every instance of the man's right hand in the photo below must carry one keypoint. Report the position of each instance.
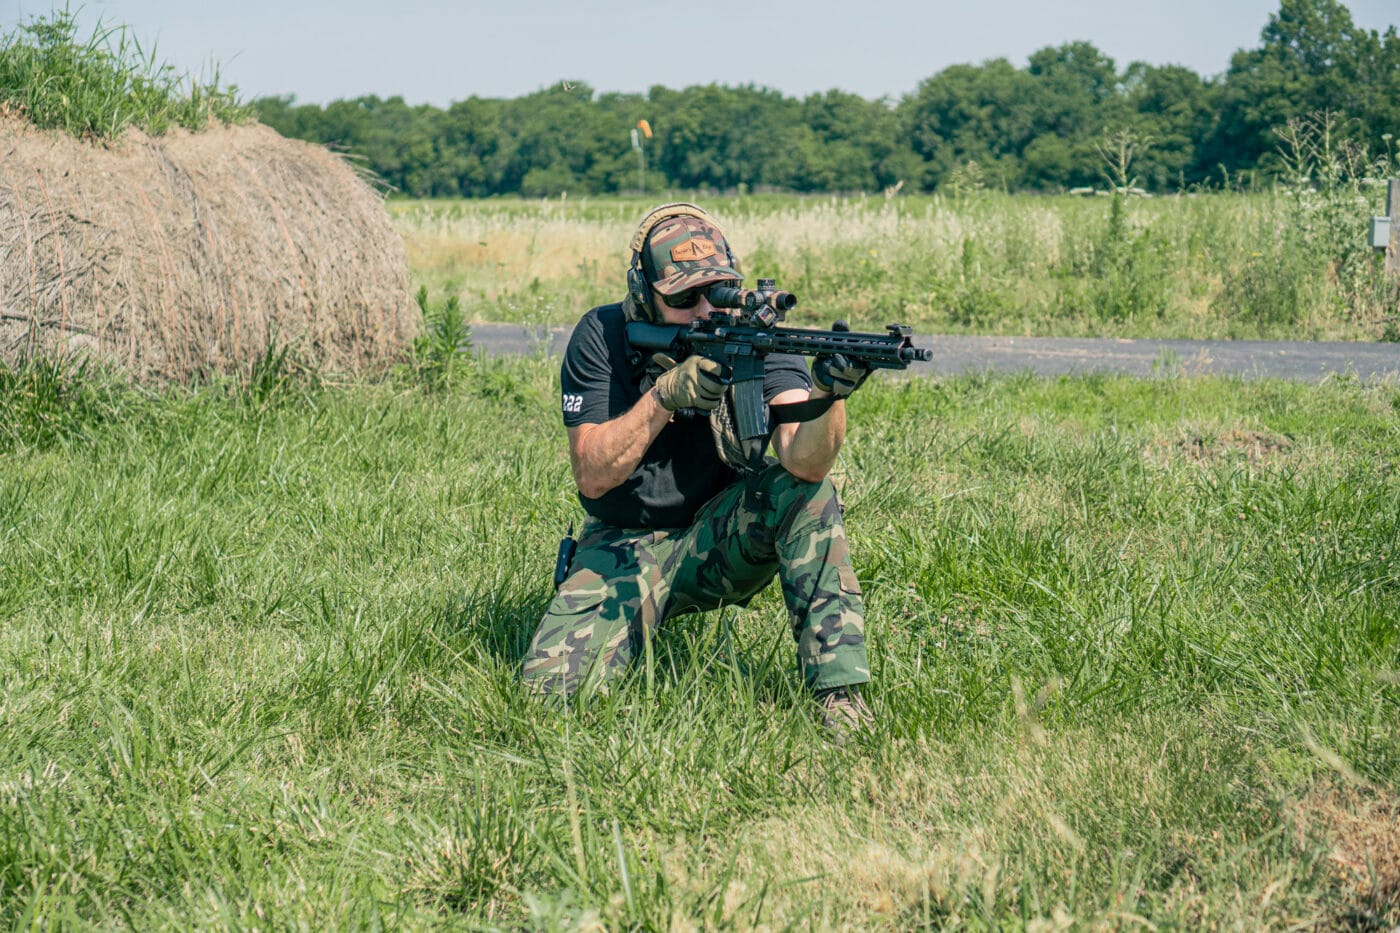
(696, 383)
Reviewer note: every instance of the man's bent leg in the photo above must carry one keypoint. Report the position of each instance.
(601, 613)
(819, 584)
(792, 527)
(724, 558)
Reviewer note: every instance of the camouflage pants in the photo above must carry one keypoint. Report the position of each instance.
(626, 582)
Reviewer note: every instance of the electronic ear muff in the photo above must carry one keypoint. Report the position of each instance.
(638, 288)
(639, 291)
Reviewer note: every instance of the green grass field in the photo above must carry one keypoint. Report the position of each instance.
(1134, 643)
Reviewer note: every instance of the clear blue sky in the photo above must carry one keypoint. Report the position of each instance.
(438, 52)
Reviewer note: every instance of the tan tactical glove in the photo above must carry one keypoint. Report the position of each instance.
(697, 383)
(834, 373)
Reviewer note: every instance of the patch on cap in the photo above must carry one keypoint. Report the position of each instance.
(693, 249)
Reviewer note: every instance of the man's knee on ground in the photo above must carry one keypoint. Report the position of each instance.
(802, 499)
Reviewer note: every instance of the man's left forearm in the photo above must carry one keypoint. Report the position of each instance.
(810, 451)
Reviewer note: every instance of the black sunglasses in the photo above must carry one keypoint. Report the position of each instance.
(684, 301)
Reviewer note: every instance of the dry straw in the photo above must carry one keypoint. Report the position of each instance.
(192, 253)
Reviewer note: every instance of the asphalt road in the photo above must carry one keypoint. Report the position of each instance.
(1056, 356)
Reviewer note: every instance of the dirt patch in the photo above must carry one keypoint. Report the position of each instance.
(1255, 445)
(192, 252)
(1362, 828)
(1250, 444)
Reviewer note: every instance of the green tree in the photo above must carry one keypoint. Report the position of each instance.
(720, 137)
(1036, 127)
(1313, 58)
(473, 147)
(1032, 127)
(1076, 94)
(971, 113)
(1171, 110)
(852, 144)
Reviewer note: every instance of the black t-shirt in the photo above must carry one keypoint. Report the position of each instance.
(681, 470)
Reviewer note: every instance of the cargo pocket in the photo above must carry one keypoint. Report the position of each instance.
(565, 642)
(847, 576)
(583, 591)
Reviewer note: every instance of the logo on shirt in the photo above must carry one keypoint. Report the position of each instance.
(573, 404)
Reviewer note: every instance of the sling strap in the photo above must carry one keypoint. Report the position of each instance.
(809, 410)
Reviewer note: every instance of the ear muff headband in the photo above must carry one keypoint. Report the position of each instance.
(664, 212)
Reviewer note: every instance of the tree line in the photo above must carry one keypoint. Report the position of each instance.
(1067, 119)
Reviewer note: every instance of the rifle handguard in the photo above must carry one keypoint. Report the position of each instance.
(742, 347)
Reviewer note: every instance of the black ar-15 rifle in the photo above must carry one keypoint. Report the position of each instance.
(744, 329)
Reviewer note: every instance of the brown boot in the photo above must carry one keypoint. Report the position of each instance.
(844, 713)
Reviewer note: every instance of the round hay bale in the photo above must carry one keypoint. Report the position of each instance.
(193, 253)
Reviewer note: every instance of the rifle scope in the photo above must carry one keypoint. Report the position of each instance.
(752, 299)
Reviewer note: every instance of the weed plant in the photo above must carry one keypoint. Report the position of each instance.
(100, 85)
(441, 352)
(1134, 646)
(1200, 265)
(1330, 183)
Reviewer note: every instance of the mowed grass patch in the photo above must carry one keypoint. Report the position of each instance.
(1134, 645)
